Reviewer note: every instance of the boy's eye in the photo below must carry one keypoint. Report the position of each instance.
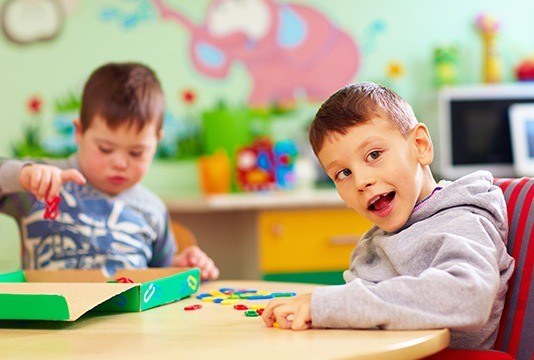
(373, 155)
(136, 153)
(343, 174)
(104, 150)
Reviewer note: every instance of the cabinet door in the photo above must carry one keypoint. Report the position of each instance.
(308, 240)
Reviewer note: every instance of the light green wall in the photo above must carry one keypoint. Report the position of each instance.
(413, 29)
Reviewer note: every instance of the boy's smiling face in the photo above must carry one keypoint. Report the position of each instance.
(114, 160)
(379, 172)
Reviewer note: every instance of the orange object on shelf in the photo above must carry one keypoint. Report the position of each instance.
(215, 173)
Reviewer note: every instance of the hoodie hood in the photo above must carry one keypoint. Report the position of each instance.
(475, 191)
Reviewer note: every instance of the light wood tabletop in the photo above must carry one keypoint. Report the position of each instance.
(214, 331)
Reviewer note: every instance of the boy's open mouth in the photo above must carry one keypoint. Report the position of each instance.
(381, 202)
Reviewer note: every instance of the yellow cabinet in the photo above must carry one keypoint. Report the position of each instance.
(308, 240)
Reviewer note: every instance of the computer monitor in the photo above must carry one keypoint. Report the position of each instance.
(475, 128)
(522, 128)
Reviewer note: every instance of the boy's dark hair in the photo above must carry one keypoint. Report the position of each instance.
(356, 104)
(123, 93)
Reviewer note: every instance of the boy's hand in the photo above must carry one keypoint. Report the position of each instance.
(45, 181)
(290, 313)
(192, 256)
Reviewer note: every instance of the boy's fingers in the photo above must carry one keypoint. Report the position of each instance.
(281, 315)
(300, 321)
(205, 264)
(194, 257)
(267, 315)
(208, 266)
(35, 179)
(55, 186)
(206, 274)
(210, 272)
(201, 262)
(215, 273)
(73, 175)
(192, 260)
(179, 260)
(273, 304)
(44, 185)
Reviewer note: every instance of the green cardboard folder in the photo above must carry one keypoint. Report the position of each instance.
(66, 295)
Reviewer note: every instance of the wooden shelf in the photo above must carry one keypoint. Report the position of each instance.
(257, 201)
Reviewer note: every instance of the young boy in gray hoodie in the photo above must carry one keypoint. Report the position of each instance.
(436, 257)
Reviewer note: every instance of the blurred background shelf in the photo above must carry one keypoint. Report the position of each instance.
(256, 201)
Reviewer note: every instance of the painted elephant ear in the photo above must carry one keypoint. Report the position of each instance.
(292, 31)
(209, 59)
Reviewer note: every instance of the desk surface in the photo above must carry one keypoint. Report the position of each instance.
(215, 331)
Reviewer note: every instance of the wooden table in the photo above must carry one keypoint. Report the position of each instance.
(215, 331)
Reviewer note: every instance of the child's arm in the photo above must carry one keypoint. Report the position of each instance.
(9, 176)
(41, 180)
(448, 278)
(14, 199)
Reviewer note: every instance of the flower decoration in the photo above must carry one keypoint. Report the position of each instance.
(487, 24)
(395, 70)
(189, 96)
(34, 104)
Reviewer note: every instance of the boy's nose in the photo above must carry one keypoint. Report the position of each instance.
(119, 162)
(363, 181)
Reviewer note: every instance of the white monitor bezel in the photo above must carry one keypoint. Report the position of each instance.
(508, 91)
(519, 115)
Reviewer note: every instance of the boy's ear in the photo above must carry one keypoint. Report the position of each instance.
(423, 144)
(77, 130)
(160, 134)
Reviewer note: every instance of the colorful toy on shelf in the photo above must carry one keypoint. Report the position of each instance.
(489, 28)
(525, 70)
(255, 166)
(226, 127)
(445, 66)
(285, 153)
(263, 166)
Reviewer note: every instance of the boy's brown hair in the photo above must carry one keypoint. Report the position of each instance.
(356, 104)
(123, 93)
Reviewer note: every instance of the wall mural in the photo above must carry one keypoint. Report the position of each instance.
(288, 49)
(29, 21)
(139, 12)
(293, 54)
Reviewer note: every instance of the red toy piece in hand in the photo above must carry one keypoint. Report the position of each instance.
(52, 208)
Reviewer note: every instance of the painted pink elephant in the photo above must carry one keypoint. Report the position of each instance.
(288, 49)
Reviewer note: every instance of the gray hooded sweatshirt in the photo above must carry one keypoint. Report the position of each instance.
(447, 267)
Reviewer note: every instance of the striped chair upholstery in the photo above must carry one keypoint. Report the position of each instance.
(516, 330)
(515, 339)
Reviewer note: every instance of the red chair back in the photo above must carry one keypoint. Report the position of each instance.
(516, 329)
